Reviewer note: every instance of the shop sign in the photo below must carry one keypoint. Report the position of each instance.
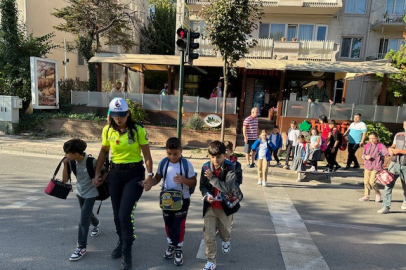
(212, 120)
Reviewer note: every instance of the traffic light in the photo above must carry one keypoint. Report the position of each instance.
(191, 45)
(182, 39)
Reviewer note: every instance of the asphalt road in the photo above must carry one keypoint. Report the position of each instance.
(286, 225)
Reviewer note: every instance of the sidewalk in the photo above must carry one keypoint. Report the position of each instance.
(53, 146)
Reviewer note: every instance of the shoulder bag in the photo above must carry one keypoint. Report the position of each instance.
(56, 187)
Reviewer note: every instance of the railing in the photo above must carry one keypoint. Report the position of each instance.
(302, 109)
(156, 102)
(312, 49)
(267, 48)
(275, 3)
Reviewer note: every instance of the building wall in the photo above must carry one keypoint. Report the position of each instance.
(37, 16)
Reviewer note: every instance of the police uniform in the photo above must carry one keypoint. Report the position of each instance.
(125, 177)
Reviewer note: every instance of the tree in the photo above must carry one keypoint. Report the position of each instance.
(397, 82)
(92, 21)
(229, 26)
(158, 33)
(16, 48)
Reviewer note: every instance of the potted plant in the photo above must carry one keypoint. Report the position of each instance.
(294, 39)
(283, 39)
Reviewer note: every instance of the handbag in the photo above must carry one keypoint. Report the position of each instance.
(232, 198)
(56, 187)
(384, 177)
(170, 200)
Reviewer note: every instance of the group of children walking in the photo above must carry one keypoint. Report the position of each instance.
(218, 176)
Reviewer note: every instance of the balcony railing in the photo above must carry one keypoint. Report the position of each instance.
(392, 16)
(276, 3)
(269, 49)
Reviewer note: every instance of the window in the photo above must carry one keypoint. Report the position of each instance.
(306, 32)
(292, 31)
(277, 31)
(263, 30)
(386, 45)
(356, 6)
(395, 7)
(351, 48)
(81, 60)
(321, 32)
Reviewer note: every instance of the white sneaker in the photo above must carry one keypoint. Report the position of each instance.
(78, 254)
(209, 266)
(312, 169)
(225, 247)
(264, 184)
(259, 182)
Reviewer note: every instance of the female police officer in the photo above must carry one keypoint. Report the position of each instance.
(126, 139)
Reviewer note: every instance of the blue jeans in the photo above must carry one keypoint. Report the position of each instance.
(398, 171)
(86, 218)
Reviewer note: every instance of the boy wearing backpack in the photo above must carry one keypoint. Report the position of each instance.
(85, 190)
(177, 174)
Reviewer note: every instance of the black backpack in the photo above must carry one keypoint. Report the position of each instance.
(103, 189)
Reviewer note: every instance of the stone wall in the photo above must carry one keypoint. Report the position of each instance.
(157, 135)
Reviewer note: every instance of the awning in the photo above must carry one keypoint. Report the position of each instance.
(155, 62)
(333, 67)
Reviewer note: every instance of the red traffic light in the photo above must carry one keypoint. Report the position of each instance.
(182, 33)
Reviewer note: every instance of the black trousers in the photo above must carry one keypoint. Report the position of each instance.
(275, 155)
(352, 149)
(290, 149)
(175, 224)
(125, 191)
(331, 158)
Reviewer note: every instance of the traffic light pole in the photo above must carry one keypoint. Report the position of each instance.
(180, 93)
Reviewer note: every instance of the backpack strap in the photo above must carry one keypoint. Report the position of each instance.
(161, 168)
(185, 166)
(89, 167)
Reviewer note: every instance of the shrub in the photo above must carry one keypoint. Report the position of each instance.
(195, 122)
(138, 113)
(385, 136)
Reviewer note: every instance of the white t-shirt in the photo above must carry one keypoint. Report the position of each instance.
(262, 150)
(173, 169)
(293, 134)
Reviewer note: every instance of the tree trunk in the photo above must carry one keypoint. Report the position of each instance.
(92, 77)
(223, 114)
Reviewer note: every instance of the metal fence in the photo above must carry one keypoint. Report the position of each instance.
(156, 102)
(302, 109)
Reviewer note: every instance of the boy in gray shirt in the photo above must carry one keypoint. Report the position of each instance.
(85, 190)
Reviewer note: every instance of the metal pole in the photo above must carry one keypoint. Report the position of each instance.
(88, 98)
(71, 97)
(197, 106)
(286, 107)
(308, 109)
(376, 106)
(180, 98)
(160, 102)
(352, 112)
(329, 112)
(216, 104)
(397, 114)
(66, 58)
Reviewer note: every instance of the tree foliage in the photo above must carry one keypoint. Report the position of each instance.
(96, 23)
(397, 82)
(158, 33)
(229, 24)
(16, 47)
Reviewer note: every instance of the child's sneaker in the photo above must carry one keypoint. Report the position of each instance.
(278, 164)
(264, 184)
(286, 167)
(178, 257)
(259, 182)
(169, 252)
(78, 254)
(364, 199)
(96, 230)
(225, 247)
(209, 266)
(312, 169)
(384, 210)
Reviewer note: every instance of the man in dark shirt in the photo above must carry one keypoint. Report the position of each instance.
(318, 94)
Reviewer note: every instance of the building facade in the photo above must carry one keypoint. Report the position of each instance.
(36, 15)
(329, 31)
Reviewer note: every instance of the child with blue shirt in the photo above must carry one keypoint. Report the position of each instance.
(262, 156)
(275, 141)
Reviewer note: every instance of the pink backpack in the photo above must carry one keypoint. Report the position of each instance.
(323, 145)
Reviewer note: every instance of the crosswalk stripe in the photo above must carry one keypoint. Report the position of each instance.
(201, 251)
(24, 202)
(298, 248)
